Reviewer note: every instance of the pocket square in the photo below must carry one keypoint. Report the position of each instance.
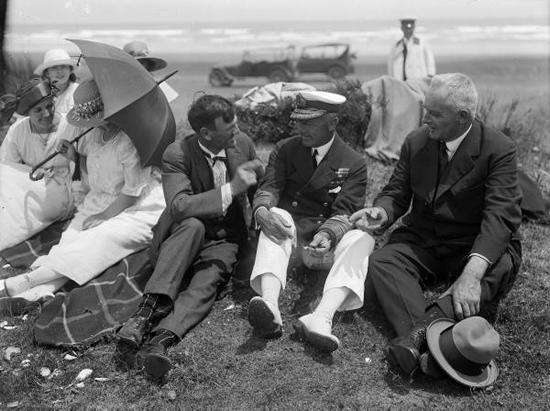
(335, 190)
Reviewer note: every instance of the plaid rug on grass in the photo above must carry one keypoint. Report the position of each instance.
(23, 254)
(81, 316)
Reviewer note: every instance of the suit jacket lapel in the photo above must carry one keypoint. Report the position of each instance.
(463, 160)
(424, 169)
(303, 163)
(204, 171)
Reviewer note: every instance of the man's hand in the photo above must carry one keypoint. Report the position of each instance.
(66, 148)
(466, 290)
(369, 219)
(93, 221)
(320, 244)
(273, 225)
(245, 176)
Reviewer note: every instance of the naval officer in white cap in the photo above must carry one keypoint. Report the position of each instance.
(410, 57)
(313, 182)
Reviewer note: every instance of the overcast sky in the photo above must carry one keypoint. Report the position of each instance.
(98, 11)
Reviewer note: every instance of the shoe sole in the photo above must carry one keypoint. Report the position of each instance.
(404, 358)
(157, 366)
(125, 355)
(320, 341)
(262, 320)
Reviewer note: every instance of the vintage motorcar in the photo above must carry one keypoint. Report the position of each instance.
(334, 59)
(275, 63)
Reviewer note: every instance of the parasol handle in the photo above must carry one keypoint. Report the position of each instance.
(167, 77)
(39, 176)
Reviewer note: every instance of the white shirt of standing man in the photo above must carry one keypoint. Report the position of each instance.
(410, 57)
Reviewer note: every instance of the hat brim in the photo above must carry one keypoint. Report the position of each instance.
(96, 120)
(485, 379)
(152, 63)
(306, 114)
(44, 66)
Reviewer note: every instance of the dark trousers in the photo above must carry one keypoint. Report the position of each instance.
(190, 269)
(398, 272)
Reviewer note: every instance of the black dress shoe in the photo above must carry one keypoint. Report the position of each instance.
(430, 367)
(405, 351)
(154, 359)
(133, 331)
(404, 354)
(125, 355)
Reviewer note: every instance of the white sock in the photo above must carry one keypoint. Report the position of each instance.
(23, 282)
(332, 299)
(270, 287)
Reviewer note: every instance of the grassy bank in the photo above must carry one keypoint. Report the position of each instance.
(221, 365)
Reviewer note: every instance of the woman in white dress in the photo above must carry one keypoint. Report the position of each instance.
(27, 207)
(115, 219)
(58, 69)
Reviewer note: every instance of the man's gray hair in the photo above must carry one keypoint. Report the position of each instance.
(459, 89)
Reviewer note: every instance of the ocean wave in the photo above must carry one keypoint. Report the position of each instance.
(366, 36)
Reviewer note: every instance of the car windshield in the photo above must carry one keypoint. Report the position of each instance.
(275, 54)
(330, 52)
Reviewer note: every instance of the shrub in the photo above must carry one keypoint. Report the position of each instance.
(269, 123)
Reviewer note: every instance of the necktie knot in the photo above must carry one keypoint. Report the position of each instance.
(218, 158)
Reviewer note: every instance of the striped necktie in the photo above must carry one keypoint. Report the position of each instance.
(219, 169)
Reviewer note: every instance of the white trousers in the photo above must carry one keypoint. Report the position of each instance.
(351, 261)
(83, 254)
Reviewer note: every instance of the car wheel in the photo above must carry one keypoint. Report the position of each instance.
(216, 79)
(336, 72)
(278, 75)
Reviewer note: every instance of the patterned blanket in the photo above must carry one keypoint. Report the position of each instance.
(81, 316)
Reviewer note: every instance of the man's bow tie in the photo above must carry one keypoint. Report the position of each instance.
(219, 158)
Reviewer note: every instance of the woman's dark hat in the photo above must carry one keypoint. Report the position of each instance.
(465, 350)
(139, 50)
(32, 93)
(88, 110)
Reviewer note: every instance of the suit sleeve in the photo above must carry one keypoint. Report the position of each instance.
(181, 201)
(501, 214)
(252, 155)
(273, 182)
(395, 197)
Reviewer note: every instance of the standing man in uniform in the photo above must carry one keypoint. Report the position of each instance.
(313, 182)
(410, 57)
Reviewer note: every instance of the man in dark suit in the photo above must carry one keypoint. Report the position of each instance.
(457, 182)
(313, 182)
(206, 177)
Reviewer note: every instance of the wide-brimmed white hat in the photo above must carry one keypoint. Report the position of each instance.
(55, 57)
(140, 51)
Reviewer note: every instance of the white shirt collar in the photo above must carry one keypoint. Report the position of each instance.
(323, 150)
(210, 153)
(453, 145)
